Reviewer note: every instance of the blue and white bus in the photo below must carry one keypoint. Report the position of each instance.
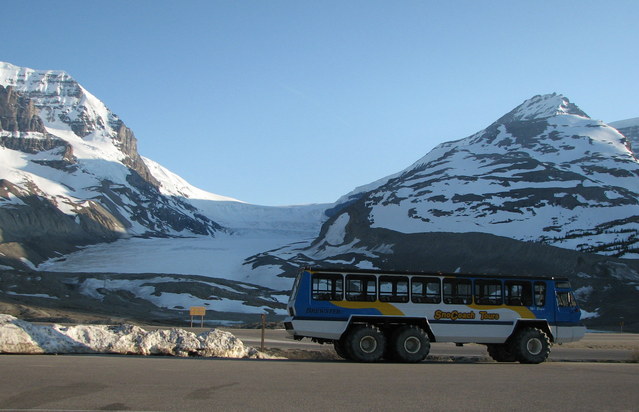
(369, 315)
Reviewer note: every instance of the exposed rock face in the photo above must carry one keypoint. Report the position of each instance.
(125, 140)
(39, 228)
(26, 132)
(18, 113)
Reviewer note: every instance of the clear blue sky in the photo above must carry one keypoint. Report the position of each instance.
(289, 102)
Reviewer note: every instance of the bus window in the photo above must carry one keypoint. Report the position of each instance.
(488, 292)
(393, 289)
(458, 291)
(540, 294)
(566, 300)
(425, 290)
(361, 288)
(518, 293)
(327, 287)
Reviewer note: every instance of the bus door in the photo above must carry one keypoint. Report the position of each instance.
(567, 312)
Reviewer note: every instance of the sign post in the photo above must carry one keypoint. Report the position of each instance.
(263, 328)
(197, 311)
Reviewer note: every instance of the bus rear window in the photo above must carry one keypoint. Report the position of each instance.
(426, 290)
(327, 287)
(393, 289)
(361, 288)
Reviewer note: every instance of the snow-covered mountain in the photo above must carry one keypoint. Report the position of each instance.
(544, 172)
(70, 175)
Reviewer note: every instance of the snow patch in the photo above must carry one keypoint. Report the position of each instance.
(583, 292)
(34, 295)
(588, 315)
(337, 231)
(28, 263)
(18, 336)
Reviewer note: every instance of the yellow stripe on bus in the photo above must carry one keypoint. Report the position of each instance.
(383, 307)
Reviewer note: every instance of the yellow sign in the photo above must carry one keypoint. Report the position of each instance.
(197, 310)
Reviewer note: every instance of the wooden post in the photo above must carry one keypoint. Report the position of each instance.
(263, 328)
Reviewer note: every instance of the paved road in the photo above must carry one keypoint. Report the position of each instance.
(85, 382)
(598, 347)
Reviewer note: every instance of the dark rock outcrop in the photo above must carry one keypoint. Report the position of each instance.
(32, 227)
(125, 140)
(18, 113)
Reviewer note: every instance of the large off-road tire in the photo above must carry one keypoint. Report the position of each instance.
(501, 352)
(340, 349)
(531, 345)
(409, 344)
(365, 343)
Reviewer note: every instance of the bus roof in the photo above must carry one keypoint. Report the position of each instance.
(424, 273)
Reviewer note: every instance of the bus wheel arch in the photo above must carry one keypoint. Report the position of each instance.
(538, 324)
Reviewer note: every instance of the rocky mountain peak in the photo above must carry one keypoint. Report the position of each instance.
(57, 102)
(541, 107)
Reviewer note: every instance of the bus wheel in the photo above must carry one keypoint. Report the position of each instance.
(410, 344)
(365, 343)
(501, 353)
(340, 348)
(531, 345)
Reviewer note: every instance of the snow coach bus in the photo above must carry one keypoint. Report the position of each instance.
(370, 315)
